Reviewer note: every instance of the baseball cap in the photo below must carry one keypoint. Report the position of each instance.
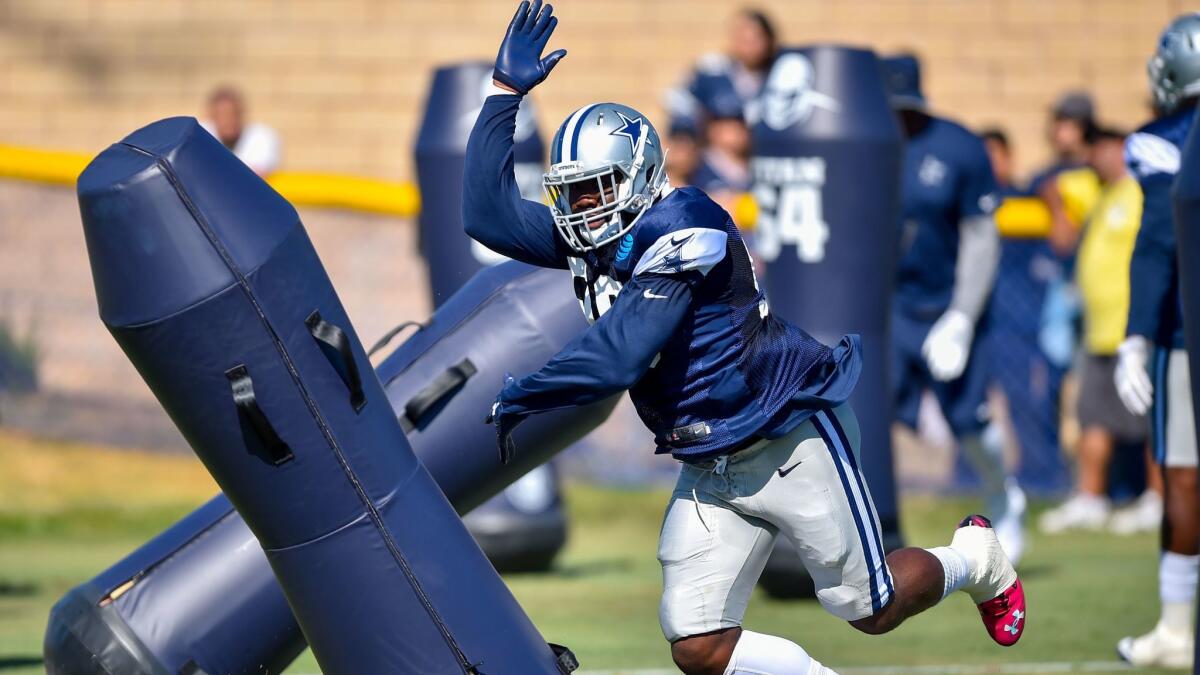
(902, 78)
(1075, 105)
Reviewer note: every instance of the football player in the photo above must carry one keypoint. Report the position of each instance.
(948, 257)
(1155, 344)
(752, 406)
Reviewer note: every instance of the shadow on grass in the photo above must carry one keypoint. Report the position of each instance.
(7, 662)
(16, 589)
(592, 568)
(1037, 570)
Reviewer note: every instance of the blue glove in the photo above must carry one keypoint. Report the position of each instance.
(519, 64)
(505, 423)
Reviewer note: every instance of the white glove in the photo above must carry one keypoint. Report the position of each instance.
(948, 345)
(1131, 375)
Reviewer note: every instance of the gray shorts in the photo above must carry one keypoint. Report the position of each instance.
(725, 514)
(1100, 406)
(1172, 421)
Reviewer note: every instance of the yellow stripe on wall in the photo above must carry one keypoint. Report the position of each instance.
(41, 166)
(1016, 217)
(355, 193)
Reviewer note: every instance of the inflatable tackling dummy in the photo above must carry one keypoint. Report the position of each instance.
(201, 597)
(523, 528)
(208, 282)
(826, 165)
(455, 98)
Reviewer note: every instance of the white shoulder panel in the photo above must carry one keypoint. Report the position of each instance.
(696, 248)
(1147, 154)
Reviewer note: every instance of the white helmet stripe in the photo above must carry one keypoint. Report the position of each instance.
(614, 148)
(569, 132)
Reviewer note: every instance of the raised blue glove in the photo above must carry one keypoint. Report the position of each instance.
(504, 423)
(519, 64)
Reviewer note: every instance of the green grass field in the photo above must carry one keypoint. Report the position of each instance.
(1085, 592)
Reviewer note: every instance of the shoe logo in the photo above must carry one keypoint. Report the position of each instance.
(1014, 627)
(651, 296)
(785, 472)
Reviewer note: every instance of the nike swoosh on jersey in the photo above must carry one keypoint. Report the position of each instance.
(651, 296)
(784, 472)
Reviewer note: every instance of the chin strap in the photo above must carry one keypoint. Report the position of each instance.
(639, 154)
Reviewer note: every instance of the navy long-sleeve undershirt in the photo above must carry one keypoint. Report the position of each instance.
(613, 354)
(494, 213)
(1153, 276)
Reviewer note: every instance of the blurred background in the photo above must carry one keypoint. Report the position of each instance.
(344, 82)
(343, 87)
(326, 99)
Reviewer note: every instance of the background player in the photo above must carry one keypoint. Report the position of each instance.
(1155, 343)
(753, 406)
(1107, 429)
(949, 250)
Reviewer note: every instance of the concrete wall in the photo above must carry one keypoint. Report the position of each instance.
(46, 286)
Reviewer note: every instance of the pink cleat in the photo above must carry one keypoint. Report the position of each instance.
(992, 583)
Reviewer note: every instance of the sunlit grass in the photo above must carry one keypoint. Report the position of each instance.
(68, 511)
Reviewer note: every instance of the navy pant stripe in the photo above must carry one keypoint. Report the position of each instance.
(1160, 411)
(855, 508)
(862, 489)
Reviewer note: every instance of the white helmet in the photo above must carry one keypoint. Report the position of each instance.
(612, 149)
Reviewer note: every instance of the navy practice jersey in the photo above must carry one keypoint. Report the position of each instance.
(1155, 303)
(947, 178)
(677, 315)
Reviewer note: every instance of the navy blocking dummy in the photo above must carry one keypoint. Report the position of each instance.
(208, 282)
(455, 97)
(201, 597)
(826, 168)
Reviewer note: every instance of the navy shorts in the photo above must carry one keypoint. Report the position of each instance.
(963, 401)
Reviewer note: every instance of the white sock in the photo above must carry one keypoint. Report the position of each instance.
(1177, 589)
(758, 654)
(955, 568)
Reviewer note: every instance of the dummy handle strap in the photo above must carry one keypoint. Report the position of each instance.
(336, 347)
(247, 405)
(446, 384)
(564, 658)
(387, 337)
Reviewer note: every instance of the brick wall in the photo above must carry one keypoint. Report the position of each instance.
(344, 80)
